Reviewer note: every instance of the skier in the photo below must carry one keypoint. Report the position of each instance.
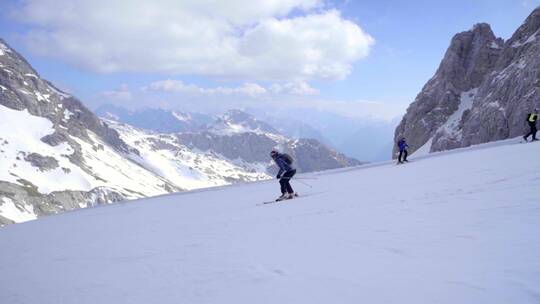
(532, 118)
(402, 144)
(286, 172)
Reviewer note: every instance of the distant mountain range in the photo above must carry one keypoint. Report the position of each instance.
(235, 135)
(159, 120)
(362, 138)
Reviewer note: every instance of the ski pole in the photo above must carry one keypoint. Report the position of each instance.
(304, 183)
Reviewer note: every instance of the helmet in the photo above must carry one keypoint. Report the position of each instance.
(273, 153)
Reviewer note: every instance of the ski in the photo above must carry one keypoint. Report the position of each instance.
(402, 163)
(277, 201)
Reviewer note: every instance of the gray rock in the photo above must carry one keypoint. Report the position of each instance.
(43, 163)
(28, 199)
(481, 92)
(55, 138)
(510, 91)
(250, 147)
(310, 154)
(22, 88)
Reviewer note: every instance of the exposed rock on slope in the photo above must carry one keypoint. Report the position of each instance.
(481, 91)
(55, 154)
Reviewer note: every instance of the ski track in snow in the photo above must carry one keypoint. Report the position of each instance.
(451, 227)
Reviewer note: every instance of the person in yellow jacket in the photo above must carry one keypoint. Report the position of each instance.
(532, 118)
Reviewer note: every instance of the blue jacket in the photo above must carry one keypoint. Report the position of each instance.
(402, 144)
(282, 164)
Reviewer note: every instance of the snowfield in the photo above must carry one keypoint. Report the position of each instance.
(452, 227)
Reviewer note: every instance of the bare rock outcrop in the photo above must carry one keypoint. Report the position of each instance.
(481, 92)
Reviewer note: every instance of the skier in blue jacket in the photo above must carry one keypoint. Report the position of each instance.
(402, 145)
(286, 172)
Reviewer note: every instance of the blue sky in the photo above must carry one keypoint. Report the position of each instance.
(410, 40)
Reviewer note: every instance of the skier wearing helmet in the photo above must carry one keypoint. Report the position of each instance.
(402, 145)
(286, 172)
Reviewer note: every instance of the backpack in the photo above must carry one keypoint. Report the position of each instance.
(287, 158)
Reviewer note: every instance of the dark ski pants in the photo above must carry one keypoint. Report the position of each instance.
(284, 181)
(532, 132)
(403, 153)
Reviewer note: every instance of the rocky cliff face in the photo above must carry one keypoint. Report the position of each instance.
(23, 89)
(481, 92)
(510, 90)
(55, 154)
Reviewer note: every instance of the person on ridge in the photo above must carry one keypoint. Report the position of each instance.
(286, 172)
(532, 118)
(402, 144)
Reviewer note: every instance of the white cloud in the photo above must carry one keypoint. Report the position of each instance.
(178, 86)
(294, 88)
(242, 39)
(246, 89)
(122, 94)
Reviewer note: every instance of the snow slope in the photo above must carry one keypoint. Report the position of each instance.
(451, 227)
(109, 168)
(184, 167)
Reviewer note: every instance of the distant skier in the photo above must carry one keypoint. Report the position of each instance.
(532, 118)
(402, 145)
(286, 172)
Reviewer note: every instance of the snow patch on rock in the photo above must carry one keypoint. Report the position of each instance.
(530, 39)
(15, 212)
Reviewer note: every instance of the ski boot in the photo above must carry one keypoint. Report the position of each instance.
(284, 196)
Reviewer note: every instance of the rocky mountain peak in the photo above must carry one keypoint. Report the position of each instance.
(23, 89)
(470, 55)
(528, 29)
(481, 91)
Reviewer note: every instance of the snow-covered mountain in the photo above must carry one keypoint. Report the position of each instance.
(168, 157)
(239, 135)
(56, 155)
(242, 138)
(469, 235)
(482, 91)
(237, 121)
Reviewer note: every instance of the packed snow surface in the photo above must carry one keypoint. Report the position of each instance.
(452, 227)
